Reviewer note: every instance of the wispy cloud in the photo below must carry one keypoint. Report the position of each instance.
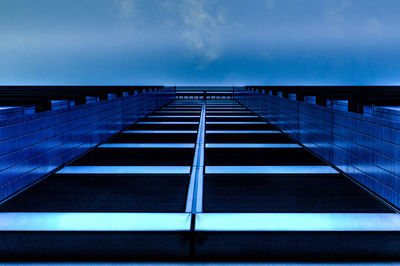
(374, 27)
(127, 8)
(336, 13)
(269, 4)
(201, 29)
(196, 22)
(205, 40)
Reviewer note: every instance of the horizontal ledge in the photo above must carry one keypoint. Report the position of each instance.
(168, 123)
(252, 145)
(243, 132)
(125, 170)
(300, 169)
(94, 221)
(242, 123)
(232, 116)
(159, 132)
(174, 116)
(183, 112)
(220, 92)
(233, 112)
(297, 222)
(180, 108)
(147, 145)
(183, 105)
(187, 104)
(226, 108)
(194, 92)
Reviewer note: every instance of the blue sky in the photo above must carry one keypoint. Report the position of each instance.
(200, 42)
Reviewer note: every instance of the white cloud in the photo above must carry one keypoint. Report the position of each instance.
(269, 4)
(336, 14)
(336, 19)
(127, 8)
(374, 27)
(201, 29)
(198, 23)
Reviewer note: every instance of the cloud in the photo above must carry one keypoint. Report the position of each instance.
(201, 29)
(269, 4)
(196, 24)
(374, 27)
(336, 14)
(336, 18)
(127, 8)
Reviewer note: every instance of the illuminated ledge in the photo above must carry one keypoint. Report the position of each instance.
(296, 169)
(297, 222)
(125, 170)
(95, 222)
(168, 123)
(236, 112)
(181, 108)
(147, 145)
(235, 123)
(195, 105)
(217, 92)
(226, 108)
(160, 132)
(232, 116)
(174, 116)
(243, 132)
(184, 105)
(7, 107)
(186, 102)
(209, 104)
(175, 112)
(252, 145)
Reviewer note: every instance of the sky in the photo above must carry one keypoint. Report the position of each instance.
(200, 42)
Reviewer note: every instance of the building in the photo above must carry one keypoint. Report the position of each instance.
(156, 173)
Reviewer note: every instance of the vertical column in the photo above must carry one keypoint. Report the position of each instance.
(194, 203)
